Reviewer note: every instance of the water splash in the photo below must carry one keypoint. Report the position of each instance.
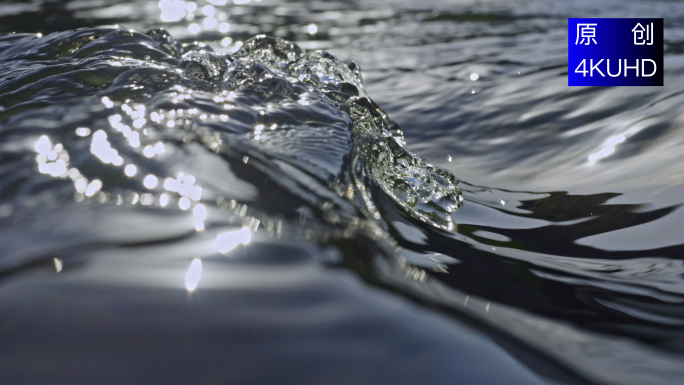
(299, 117)
(425, 191)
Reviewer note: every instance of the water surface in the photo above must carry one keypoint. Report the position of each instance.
(428, 201)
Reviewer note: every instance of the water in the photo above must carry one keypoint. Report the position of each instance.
(258, 211)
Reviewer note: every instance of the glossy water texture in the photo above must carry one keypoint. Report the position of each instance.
(266, 192)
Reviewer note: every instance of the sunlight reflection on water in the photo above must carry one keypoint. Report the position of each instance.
(229, 240)
(193, 275)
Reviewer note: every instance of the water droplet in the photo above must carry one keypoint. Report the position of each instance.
(58, 264)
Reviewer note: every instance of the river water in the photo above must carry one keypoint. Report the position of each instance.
(334, 192)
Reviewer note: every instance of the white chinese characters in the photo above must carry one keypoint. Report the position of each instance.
(587, 33)
(643, 35)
